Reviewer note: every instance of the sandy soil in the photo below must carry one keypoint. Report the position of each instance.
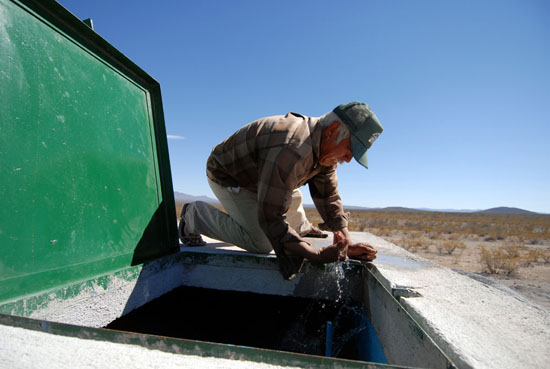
(529, 279)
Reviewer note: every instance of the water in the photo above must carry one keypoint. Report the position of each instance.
(338, 270)
(353, 336)
(266, 321)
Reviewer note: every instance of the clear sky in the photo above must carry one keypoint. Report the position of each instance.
(462, 87)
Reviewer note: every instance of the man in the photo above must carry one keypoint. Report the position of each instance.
(256, 173)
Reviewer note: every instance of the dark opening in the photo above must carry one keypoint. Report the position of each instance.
(256, 320)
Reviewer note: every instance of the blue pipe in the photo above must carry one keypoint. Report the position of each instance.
(328, 342)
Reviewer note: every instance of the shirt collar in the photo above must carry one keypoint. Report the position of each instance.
(315, 130)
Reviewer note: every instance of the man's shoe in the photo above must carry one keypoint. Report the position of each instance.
(188, 239)
(315, 233)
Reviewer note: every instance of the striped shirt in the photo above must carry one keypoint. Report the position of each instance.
(271, 157)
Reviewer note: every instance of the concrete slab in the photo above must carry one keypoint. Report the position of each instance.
(27, 343)
(22, 348)
(476, 325)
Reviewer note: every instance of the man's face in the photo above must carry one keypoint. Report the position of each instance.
(331, 152)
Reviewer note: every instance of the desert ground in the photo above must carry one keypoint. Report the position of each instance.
(510, 249)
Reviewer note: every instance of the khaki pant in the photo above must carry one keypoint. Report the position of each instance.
(240, 226)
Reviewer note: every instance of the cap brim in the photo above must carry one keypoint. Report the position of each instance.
(359, 151)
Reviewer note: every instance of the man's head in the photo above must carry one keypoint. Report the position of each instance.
(335, 141)
(356, 129)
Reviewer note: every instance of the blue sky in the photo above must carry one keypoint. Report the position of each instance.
(462, 88)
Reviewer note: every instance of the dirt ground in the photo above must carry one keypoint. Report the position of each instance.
(529, 279)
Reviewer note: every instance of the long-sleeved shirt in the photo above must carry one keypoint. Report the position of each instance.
(272, 157)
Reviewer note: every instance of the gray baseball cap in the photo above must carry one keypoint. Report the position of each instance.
(364, 128)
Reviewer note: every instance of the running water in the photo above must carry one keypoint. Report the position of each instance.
(307, 333)
(349, 322)
(338, 270)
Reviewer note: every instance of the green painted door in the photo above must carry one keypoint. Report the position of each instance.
(83, 189)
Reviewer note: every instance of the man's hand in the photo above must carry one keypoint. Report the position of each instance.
(341, 242)
(327, 254)
(324, 255)
(362, 251)
(337, 251)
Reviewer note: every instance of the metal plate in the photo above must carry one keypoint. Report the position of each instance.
(86, 185)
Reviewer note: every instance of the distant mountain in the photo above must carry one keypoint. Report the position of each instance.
(399, 208)
(506, 210)
(353, 207)
(403, 209)
(346, 207)
(183, 197)
(499, 210)
(452, 210)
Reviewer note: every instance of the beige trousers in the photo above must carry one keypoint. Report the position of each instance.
(240, 225)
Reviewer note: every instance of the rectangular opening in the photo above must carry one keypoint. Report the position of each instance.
(284, 323)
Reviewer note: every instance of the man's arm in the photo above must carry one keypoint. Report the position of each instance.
(360, 251)
(324, 192)
(323, 188)
(324, 255)
(339, 250)
(342, 237)
(278, 174)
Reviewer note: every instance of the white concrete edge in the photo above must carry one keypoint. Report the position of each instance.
(476, 324)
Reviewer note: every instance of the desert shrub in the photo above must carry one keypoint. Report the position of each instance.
(360, 226)
(449, 246)
(532, 256)
(499, 260)
(414, 234)
(513, 250)
(410, 224)
(536, 255)
(482, 226)
(412, 243)
(381, 232)
(435, 236)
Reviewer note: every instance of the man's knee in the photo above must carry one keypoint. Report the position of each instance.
(263, 248)
(295, 201)
(197, 207)
(259, 243)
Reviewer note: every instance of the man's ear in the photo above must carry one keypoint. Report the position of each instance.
(333, 128)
